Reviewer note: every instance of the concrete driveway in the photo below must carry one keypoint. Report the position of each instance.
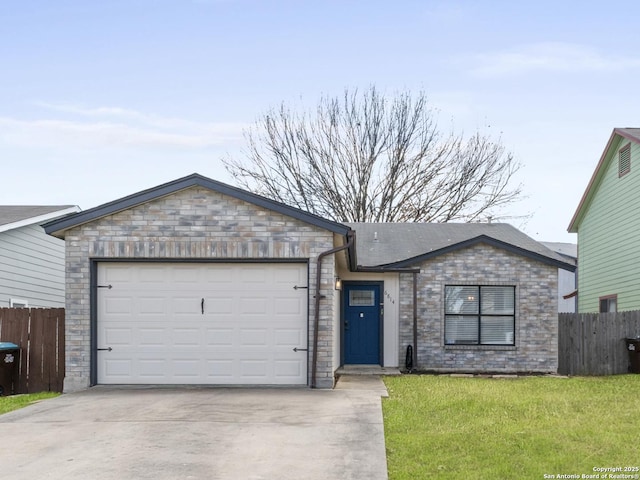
(199, 433)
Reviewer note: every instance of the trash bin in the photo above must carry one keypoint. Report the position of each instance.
(633, 347)
(9, 362)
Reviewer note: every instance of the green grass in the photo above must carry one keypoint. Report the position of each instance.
(452, 428)
(15, 402)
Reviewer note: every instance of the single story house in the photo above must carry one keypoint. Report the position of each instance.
(31, 262)
(198, 282)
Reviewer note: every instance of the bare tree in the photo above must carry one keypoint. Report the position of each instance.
(366, 158)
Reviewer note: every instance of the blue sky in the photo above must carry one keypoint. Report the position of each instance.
(101, 99)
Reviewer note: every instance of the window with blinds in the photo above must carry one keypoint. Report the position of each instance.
(479, 315)
(624, 160)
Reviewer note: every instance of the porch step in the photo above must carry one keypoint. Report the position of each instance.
(367, 370)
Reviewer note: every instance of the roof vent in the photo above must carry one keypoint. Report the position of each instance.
(624, 160)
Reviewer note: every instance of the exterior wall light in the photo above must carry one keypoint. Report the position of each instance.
(338, 283)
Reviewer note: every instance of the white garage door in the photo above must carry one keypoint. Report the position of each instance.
(202, 323)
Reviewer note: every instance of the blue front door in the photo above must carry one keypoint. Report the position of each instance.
(362, 318)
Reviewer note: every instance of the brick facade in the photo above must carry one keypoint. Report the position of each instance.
(536, 321)
(195, 223)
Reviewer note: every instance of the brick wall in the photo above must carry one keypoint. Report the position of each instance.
(193, 223)
(536, 335)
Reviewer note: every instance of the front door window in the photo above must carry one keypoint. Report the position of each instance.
(362, 298)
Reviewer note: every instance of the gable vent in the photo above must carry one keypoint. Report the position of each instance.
(624, 160)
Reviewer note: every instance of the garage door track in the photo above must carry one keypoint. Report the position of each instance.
(199, 433)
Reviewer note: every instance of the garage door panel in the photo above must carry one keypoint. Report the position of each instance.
(258, 306)
(118, 305)
(118, 368)
(147, 275)
(251, 337)
(220, 337)
(118, 274)
(286, 369)
(153, 369)
(287, 338)
(186, 368)
(220, 371)
(219, 275)
(186, 337)
(154, 322)
(290, 274)
(151, 337)
(219, 307)
(254, 371)
(186, 274)
(151, 305)
(287, 306)
(253, 274)
(118, 336)
(185, 304)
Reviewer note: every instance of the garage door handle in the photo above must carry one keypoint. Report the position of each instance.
(105, 349)
(296, 349)
(202, 306)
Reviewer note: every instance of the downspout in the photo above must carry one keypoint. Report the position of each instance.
(316, 321)
(415, 320)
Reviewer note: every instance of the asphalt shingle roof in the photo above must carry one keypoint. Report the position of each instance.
(569, 250)
(630, 132)
(389, 243)
(16, 213)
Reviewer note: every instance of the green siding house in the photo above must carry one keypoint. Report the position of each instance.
(607, 222)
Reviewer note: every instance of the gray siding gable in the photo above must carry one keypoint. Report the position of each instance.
(58, 227)
(32, 264)
(31, 267)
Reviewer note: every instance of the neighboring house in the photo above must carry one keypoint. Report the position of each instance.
(607, 223)
(198, 282)
(567, 281)
(31, 262)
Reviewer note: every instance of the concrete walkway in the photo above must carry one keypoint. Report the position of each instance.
(200, 433)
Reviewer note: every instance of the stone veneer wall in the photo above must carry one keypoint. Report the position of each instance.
(536, 335)
(194, 223)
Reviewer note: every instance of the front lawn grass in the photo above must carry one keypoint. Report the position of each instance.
(522, 428)
(15, 402)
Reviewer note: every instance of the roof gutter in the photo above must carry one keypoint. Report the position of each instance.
(316, 320)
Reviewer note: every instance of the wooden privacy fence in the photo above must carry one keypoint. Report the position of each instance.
(39, 332)
(594, 343)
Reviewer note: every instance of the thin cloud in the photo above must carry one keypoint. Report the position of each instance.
(114, 127)
(128, 115)
(549, 57)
